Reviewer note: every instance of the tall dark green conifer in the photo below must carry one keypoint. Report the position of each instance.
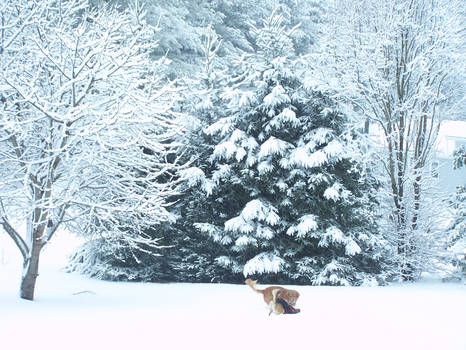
(291, 203)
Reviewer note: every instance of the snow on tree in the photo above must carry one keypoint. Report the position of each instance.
(457, 231)
(86, 128)
(187, 256)
(292, 203)
(183, 22)
(193, 259)
(394, 62)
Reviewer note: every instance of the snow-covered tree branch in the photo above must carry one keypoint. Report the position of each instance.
(86, 128)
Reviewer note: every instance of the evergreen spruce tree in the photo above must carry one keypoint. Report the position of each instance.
(290, 202)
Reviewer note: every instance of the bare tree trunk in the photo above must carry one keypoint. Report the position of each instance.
(404, 246)
(31, 261)
(30, 273)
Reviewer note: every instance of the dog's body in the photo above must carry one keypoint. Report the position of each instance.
(271, 294)
(275, 307)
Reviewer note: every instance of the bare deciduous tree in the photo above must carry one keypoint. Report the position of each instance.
(86, 127)
(394, 61)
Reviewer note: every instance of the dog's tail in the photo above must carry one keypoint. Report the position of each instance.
(252, 284)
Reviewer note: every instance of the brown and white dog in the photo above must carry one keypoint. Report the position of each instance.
(272, 296)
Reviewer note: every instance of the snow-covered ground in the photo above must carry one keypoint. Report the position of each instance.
(74, 312)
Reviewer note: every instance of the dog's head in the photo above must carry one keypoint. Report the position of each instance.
(291, 296)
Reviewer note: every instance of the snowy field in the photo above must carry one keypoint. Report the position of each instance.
(74, 312)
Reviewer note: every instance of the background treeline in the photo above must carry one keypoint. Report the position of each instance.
(282, 180)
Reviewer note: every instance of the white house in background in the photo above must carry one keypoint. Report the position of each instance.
(452, 135)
